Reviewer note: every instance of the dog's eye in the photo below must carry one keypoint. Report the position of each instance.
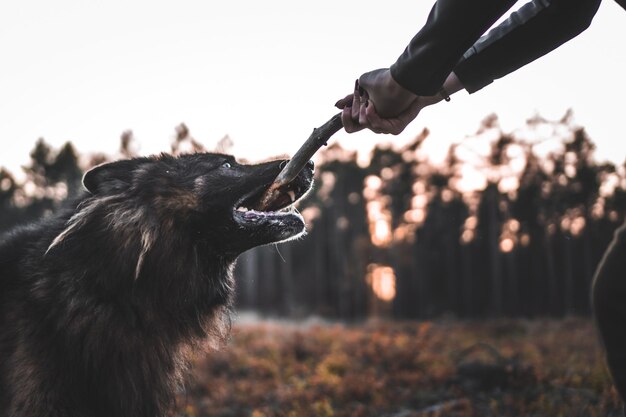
(226, 165)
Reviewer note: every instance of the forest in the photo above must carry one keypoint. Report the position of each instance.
(510, 224)
(457, 288)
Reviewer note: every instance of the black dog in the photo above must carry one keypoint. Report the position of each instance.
(101, 305)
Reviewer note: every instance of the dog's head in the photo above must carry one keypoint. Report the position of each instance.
(206, 195)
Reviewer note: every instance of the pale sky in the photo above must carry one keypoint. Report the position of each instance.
(263, 72)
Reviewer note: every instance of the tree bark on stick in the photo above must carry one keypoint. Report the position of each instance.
(318, 138)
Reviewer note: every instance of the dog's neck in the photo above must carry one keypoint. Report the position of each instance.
(180, 299)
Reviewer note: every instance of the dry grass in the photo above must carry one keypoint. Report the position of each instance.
(495, 368)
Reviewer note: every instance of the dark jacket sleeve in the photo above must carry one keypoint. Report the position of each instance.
(452, 27)
(529, 33)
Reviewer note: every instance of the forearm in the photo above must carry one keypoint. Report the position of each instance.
(534, 30)
(452, 27)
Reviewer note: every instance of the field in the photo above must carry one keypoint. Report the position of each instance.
(502, 368)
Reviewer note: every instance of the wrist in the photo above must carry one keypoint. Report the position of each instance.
(443, 93)
(396, 89)
(449, 87)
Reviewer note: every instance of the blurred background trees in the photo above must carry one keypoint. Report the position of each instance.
(509, 224)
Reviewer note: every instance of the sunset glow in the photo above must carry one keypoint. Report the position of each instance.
(378, 215)
(383, 281)
(507, 245)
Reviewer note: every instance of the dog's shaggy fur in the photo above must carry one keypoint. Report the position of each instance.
(102, 304)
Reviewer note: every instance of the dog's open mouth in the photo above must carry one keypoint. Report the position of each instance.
(280, 213)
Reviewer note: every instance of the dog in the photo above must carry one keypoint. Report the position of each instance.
(103, 303)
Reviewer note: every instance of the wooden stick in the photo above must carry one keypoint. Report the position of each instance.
(318, 138)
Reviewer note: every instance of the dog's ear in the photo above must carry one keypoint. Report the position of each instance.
(110, 177)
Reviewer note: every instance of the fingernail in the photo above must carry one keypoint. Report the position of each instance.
(356, 84)
(367, 102)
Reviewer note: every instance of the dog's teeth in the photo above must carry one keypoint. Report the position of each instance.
(292, 195)
(243, 209)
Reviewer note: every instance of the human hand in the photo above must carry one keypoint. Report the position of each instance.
(359, 113)
(361, 109)
(378, 103)
(389, 97)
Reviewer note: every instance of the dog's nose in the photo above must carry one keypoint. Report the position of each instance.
(310, 164)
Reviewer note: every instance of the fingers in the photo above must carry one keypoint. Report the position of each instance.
(346, 120)
(351, 109)
(363, 113)
(356, 101)
(355, 115)
(375, 123)
(347, 100)
(358, 113)
(395, 125)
